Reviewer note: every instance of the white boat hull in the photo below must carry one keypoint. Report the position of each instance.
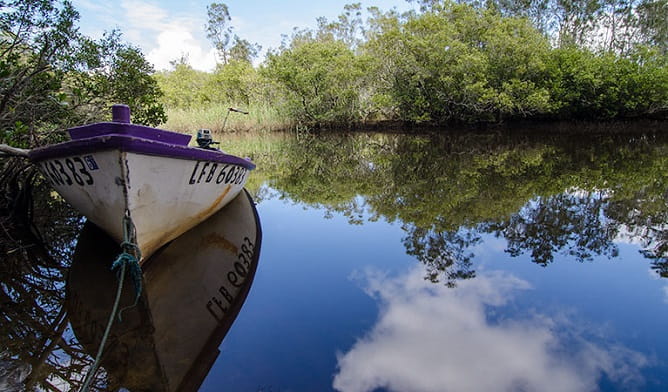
(164, 196)
(192, 291)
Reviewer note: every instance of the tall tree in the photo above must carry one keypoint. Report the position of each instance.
(653, 21)
(218, 29)
(348, 27)
(243, 50)
(576, 18)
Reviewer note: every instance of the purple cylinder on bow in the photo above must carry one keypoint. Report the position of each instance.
(120, 114)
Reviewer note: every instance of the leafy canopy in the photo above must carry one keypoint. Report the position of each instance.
(53, 77)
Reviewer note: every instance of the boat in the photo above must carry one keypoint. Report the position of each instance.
(193, 290)
(111, 171)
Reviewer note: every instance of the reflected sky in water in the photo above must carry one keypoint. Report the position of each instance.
(343, 307)
(432, 338)
(422, 263)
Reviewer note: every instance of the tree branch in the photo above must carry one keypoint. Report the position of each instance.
(6, 150)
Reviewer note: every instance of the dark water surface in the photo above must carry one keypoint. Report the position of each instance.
(453, 263)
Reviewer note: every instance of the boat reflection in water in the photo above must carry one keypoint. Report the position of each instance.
(193, 289)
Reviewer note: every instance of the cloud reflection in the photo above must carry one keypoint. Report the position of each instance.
(433, 338)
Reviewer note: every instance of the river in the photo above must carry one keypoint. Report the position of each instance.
(452, 262)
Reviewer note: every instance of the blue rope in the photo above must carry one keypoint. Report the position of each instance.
(128, 259)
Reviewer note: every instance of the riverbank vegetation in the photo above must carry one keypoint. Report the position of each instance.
(446, 62)
(443, 62)
(53, 77)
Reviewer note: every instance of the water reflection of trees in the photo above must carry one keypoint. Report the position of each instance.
(544, 195)
(658, 252)
(446, 255)
(328, 174)
(36, 242)
(571, 222)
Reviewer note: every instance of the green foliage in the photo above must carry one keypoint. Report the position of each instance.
(130, 82)
(108, 71)
(603, 86)
(449, 62)
(464, 64)
(322, 80)
(183, 87)
(35, 36)
(52, 77)
(237, 83)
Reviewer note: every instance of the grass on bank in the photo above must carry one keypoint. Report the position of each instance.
(257, 135)
(212, 116)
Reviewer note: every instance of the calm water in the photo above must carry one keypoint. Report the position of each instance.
(454, 263)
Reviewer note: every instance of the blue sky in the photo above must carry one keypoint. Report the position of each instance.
(165, 30)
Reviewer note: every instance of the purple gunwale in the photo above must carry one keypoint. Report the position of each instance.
(121, 134)
(127, 143)
(133, 130)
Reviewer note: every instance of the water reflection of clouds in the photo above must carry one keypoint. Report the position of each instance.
(432, 338)
(665, 294)
(654, 275)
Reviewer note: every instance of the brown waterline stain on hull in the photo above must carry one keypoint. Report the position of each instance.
(218, 241)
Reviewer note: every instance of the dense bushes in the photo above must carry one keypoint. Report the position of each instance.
(323, 81)
(603, 86)
(463, 64)
(449, 62)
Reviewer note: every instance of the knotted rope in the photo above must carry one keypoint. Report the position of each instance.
(129, 258)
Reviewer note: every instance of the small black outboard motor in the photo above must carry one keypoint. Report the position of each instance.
(204, 139)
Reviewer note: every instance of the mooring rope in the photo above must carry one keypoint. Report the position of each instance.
(129, 258)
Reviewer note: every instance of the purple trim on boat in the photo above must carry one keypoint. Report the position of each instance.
(120, 113)
(138, 145)
(132, 130)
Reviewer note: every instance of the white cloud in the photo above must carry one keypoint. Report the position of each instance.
(164, 36)
(173, 44)
(432, 338)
